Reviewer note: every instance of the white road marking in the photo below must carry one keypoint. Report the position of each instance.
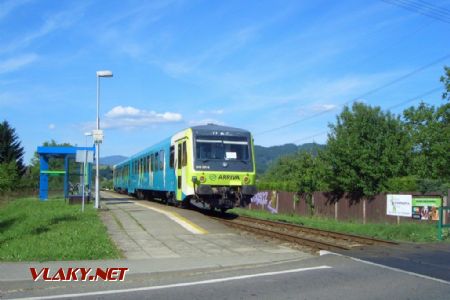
(176, 285)
(324, 252)
(185, 223)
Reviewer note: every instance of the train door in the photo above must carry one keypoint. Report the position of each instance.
(151, 169)
(181, 163)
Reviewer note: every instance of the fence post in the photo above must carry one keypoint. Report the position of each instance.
(444, 203)
(277, 203)
(336, 210)
(364, 211)
(293, 201)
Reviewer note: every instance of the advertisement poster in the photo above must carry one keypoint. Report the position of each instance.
(426, 208)
(399, 205)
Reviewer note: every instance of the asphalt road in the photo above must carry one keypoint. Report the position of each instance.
(325, 277)
(427, 259)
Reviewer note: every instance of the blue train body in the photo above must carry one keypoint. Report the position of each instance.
(211, 166)
(147, 170)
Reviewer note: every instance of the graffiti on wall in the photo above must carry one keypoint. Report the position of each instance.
(262, 200)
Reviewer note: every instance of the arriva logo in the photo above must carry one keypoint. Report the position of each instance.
(229, 177)
(212, 177)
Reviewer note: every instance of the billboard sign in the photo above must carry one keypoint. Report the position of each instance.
(399, 205)
(426, 208)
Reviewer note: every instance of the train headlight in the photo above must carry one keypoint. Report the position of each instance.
(246, 179)
(202, 179)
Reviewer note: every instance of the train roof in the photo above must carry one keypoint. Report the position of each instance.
(218, 127)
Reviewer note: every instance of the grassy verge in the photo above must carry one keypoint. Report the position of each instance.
(31, 230)
(407, 232)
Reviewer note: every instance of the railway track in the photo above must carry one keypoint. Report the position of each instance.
(316, 239)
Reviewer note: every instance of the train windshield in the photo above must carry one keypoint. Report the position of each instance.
(222, 148)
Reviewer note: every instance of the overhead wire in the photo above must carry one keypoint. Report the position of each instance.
(390, 83)
(429, 92)
(423, 8)
(437, 13)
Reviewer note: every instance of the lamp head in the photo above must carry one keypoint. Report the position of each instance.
(104, 73)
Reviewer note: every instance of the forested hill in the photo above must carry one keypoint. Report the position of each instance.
(112, 160)
(266, 155)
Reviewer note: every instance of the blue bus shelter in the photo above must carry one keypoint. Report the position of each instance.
(65, 153)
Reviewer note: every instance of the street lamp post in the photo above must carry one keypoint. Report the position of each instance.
(98, 138)
(84, 170)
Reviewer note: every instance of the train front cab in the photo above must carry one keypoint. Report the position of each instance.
(214, 166)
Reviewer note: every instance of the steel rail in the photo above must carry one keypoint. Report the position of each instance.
(322, 232)
(305, 241)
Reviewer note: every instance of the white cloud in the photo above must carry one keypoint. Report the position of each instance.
(323, 107)
(51, 126)
(121, 111)
(16, 63)
(131, 117)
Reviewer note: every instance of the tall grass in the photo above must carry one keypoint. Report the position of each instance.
(31, 230)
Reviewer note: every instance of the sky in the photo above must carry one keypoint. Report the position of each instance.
(281, 69)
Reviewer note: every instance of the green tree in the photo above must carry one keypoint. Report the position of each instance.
(8, 176)
(10, 148)
(365, 148)
(429, 132)
(301, 172)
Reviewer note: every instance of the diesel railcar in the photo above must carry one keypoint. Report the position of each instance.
(210, 166)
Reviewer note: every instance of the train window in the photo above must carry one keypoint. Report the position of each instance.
(161, 160)
(179, 156)
(152, 162)
(140, 166)
(184, 154)
(172, 156)
(208, 147)
(156, 161)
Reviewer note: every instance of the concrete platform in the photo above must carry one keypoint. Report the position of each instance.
(145, 230)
